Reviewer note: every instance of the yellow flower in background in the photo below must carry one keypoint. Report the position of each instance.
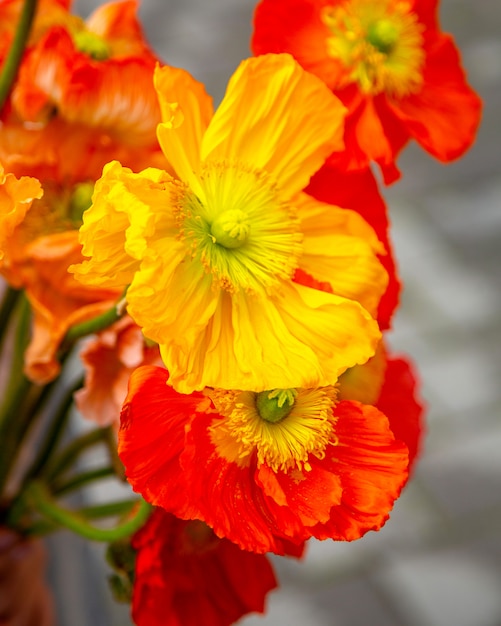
(244, 281)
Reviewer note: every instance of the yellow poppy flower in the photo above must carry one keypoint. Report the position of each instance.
(244, 281)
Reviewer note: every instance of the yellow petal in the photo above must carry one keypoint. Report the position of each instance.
(276, 117)
(117, 227)
(340, 248)
(303, 338)
(186, 111)
(171, 297)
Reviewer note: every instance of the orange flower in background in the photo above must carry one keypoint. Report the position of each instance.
(108, 360)
(211, 257)
(261, 469)
(397, 73)
(84, 95)
(96, 72)
(186, 576)
(36, 254)
(16, 196)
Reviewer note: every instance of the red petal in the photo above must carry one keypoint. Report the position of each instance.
(372, 466)
(186, 576)
(152, 437)
(444, 116)
(399, 403)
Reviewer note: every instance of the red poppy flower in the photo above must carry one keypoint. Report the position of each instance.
(262, 469)
(186, 576)
(398, 74)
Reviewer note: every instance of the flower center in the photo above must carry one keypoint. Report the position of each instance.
(283, 427)
(92, 45)
(239, 230)
(380, 44)
(231, 228)
(273, 406)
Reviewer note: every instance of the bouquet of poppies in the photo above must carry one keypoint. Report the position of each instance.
(210, 287)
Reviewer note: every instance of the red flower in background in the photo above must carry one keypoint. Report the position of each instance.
(388, 61)
(186, 576)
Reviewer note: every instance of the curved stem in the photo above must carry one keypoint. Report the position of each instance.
(68, 456)
(43, 502)
(95, 324)
(14, 421)
(55, 431)
(9, 300)
(15, 54)
(82, 479)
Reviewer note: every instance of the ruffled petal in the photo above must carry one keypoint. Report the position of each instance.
(185, 575)
(340, 248)
(264, 121)
(16, 196)
(359, 191)
(231, 502)
(117, 227)
(186, 112)
(372, 466)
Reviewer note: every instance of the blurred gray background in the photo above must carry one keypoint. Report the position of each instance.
(438, 560)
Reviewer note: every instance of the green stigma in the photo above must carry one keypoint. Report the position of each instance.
(92, 45)
(275, 404)
(383, 35)
(80, 201)
(230, 229)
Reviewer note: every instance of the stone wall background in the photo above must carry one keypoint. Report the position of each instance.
(438, 560)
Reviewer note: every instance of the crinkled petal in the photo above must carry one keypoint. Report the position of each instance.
(264, 120)
(186, 112)
(358, 191)
(127, 210)
(340, 248)
(372, 466)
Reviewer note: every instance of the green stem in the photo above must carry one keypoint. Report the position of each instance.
(82, 479)
(111, 444)
(94, 325)
(96, 511)
(43, 502)
(15, 54)
(9, 301)
(67, 457)
(14, 422)
(55, 431)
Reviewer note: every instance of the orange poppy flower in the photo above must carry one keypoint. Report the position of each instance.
(262, 469)
(39, 245)
(97, 73)
(397, 73)
(108, 359)
(16, 196)
(185, 575)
